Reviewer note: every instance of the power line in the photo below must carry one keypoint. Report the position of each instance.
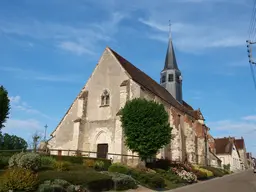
(252, 22)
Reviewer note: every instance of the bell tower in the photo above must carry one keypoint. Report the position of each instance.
(171, 78)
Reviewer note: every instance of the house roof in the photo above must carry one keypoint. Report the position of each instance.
(239, 143)
(148, 83)
(214, 154)
(224, 145)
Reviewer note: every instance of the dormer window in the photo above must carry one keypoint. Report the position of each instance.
(105, 98)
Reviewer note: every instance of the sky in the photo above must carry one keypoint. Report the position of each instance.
(48, 50)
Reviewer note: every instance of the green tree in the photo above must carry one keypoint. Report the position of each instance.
(12, 142)
(4, 106)
(146, 127)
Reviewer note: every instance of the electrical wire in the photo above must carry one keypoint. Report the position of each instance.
(253, 75)
(251, 22)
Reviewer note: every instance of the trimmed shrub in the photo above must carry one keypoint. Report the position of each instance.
(51, 188)
(88, 162)
(156, 182)
(169, 175)
(30, 161)
(216, 172)
(47, 161)
(122, 181)
(19, 179)
(4, 161)
(99, 165)
(93, 180)
(13, 161)
(118, 168)
(61, 165)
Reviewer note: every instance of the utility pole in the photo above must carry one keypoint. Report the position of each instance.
(45, 129)
(249, 50)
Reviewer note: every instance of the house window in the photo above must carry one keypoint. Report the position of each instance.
(170, 77)
(105, 98)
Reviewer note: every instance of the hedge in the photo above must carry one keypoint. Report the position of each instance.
(80, 160)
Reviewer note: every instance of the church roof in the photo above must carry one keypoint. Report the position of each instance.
(170, 59)
(148, 83)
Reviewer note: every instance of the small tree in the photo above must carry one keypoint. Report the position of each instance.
(4, 106)
(36, 140)
(146, 127)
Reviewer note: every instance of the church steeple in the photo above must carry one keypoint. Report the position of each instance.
(171, 78)
(170, 59)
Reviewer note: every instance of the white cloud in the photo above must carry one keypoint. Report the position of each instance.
(24, 128)
(78, 39)
(75, 48)
(29, 74)
(22, 125)
(190, 38)
(19, 105)
(250, 118)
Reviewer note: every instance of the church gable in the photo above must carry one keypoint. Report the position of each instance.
(102, 91)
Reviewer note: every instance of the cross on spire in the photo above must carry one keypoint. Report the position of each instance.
(170, 35)
(45, 128)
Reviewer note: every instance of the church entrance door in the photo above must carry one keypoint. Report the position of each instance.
(102, 151)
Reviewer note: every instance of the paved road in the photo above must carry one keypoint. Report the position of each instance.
(237, 182)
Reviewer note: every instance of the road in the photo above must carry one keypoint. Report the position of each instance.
(237, 182)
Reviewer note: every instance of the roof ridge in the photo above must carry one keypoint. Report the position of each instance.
(139, 76)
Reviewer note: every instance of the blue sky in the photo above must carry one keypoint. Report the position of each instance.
(49, 49)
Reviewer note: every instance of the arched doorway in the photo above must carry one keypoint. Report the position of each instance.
(102, 150)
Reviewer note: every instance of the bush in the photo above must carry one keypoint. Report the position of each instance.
(216, 172)
(156, 182)
(200, 175)
(61, 165)
(88, 162)
(159, 164)
(19, 179)
(203, 171)
(122, 181)
(4, 161)
(99, 165)
(51, 188)
(30, 161)
(169, 175)
(118, 168)
(93, 180)
(13, 161)
(47, 161)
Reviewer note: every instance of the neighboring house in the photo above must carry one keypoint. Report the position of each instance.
(228, 154)
(92, 123)
(250, 160)
(240, 145)
(214, 161)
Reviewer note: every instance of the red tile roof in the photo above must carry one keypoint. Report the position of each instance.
(224, 145)
(239, 143)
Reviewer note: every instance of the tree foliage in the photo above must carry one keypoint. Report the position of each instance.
(4, 106)
(12, 142)
(146, 127)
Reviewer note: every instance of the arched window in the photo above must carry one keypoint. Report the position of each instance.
(105, 98)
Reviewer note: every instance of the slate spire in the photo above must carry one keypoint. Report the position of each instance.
(170, 59)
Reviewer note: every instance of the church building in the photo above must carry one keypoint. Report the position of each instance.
(92, 123)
